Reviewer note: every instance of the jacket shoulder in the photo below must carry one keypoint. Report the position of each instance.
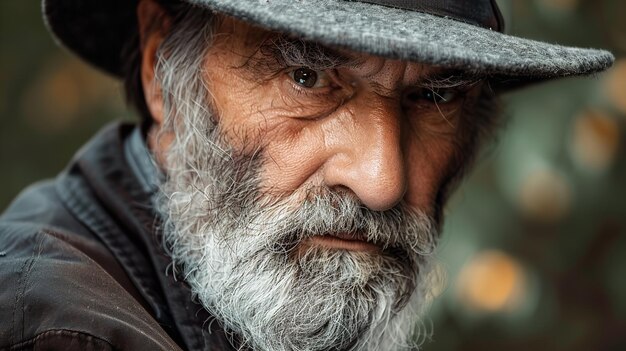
(39, 205)
(61, 286)
(54, 292)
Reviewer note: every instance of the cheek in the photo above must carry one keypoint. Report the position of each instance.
(235, 102)
(262, 117)
(432, 155)
(294, 151)
(429, 165)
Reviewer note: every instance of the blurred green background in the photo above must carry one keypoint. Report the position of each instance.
(534, 244)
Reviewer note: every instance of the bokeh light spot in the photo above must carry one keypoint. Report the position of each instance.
(492, 281)
(616, 85)
(545, 195)
(595, 141)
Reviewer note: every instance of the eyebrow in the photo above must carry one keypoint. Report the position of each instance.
(450, 78)
(281, 51)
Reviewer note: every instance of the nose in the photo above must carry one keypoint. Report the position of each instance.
(369, 159)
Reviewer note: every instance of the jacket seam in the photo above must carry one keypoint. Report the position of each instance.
(25, 272)
(58, 332)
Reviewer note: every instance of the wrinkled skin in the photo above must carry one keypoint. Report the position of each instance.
(359, 128)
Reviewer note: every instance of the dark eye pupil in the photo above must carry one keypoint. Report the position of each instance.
(429, 95)
(425, 94)
(305, 77)
(432, 95)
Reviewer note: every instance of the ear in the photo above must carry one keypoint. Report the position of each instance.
(153, 25)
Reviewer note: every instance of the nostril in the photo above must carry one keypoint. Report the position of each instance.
(377, 179)
(342, 192)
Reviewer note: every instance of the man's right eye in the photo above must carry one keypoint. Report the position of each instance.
(309, 78)
(305, 77)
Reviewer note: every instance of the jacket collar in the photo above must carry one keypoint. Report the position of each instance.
(141, 162)
(109, 186)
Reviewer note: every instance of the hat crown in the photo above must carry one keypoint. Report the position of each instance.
(482, 13)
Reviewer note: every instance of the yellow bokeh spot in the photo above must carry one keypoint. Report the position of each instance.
(616, 85)
(62, 92)
(545, 195)
(492, 281)
(595, 141)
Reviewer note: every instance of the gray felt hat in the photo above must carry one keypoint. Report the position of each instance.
(461, 34)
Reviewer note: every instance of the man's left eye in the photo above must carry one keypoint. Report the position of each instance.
(436, 96)
(309, 78)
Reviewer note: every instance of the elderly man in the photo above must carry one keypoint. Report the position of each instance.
(285, 187)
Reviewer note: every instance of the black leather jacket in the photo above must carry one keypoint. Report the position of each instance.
(81, 265)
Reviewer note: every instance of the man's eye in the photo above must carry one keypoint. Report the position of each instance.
(309, 78)
(435, 96)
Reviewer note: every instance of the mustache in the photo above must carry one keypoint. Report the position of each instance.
(407, 237)
(399, 231)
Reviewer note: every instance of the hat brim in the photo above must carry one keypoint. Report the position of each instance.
(379, 30)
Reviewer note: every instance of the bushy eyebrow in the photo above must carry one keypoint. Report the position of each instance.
(280, 51)
(450, 78)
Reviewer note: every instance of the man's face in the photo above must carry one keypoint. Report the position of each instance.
(386, 131)
(304, 186)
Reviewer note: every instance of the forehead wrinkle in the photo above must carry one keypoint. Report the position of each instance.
(239, 38)
(382, 90)
(388, 77)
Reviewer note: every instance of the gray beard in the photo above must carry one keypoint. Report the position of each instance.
(239, 251)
